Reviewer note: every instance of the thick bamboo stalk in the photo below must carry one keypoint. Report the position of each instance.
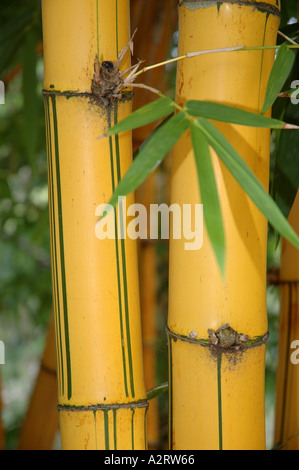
(287, 378)
(101, 391)
(217, 392)
(41, 421)
(156, 23)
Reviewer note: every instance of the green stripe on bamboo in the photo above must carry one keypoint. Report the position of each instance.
(63, 277)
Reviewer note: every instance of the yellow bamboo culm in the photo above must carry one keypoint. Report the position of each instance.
(287, 378)
(155, 23)
(101, 391)
(217, 394)
(41, 422)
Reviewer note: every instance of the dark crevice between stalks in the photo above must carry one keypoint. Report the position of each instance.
(93, 98)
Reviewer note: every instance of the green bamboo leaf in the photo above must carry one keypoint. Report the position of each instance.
(280, 71)
(209, 194)
(156, 391)
(142, 116)
(248, 181)
(286, 170)
(150, 156)
(221, 112)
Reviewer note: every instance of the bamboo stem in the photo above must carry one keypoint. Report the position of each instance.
(2, 435)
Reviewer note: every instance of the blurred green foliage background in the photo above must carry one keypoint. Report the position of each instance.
(25, 277)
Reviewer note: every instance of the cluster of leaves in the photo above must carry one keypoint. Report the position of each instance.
(196, 116)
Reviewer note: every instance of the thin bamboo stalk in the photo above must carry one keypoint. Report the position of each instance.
(286, 427)
(101, 391)
(2, 435)
(156, 23)
(12, 73)
(287, 378)
(217, 392)
(41, 422)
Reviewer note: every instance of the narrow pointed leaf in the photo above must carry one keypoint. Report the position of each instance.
(221, 112)
(280, 71)
(142, 116)
(248, 181)
(209, 194)
(151, 156)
